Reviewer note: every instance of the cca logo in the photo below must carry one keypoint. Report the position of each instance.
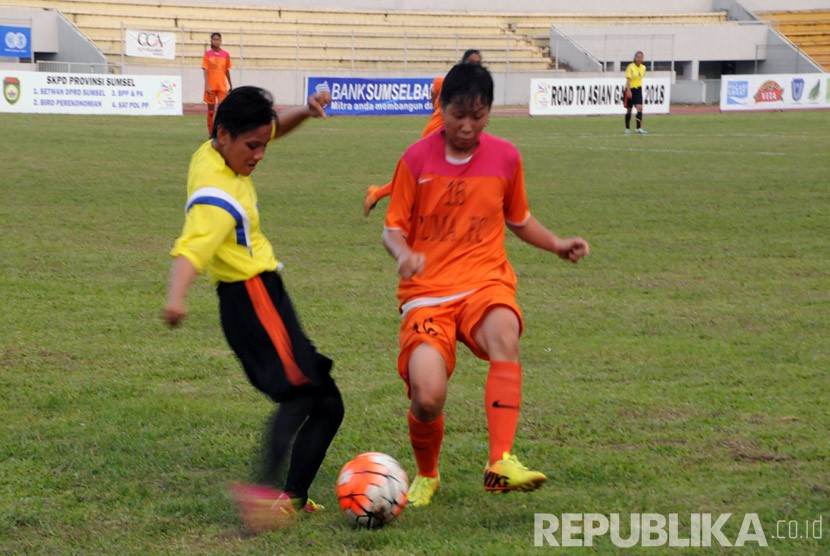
(149, 39)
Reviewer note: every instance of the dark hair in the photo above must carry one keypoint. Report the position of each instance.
(468, 53)
(245, 108)
(215, 34)
(467, 83)
(638, 52)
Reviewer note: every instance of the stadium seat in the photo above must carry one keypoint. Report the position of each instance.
(809, 30)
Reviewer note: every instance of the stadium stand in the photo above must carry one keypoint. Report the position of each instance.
(537, 30)
(265, 37)
(808, 30)
(293, 38)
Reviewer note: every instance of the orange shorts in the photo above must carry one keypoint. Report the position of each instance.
(440, 326)
(214, 97)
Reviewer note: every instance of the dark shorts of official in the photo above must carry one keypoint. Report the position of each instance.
(636, 97)
(263, 330)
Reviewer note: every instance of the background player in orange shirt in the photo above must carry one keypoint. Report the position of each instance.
(375, 193)
(216, 65)
(453, 193)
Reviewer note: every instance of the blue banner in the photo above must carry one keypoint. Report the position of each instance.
(352, 96)
(15, 42)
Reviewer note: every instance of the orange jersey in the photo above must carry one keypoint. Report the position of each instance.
(217, 66)
(436, 121)
(455, 214)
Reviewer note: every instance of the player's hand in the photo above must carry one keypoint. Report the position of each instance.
(317, 103)
(410, 264)
(573, 248)
(174, 313)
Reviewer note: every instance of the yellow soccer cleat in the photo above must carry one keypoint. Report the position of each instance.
(509, 474)
(421, 491)
(369, 201)
(312, 507)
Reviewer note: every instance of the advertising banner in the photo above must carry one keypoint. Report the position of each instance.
(149, 44)
(352, 96)
(15, 42)
(81, 93)
(775, 91)
(597, 95)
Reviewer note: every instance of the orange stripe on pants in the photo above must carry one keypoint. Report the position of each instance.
(272, 322)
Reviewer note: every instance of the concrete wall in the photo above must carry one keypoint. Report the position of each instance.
(511, 89)
(74, 47)
(44, 25)
(789, 5)
(727, 41)
(529, 6)
(514, 6)
(781, 56)
(288, 86)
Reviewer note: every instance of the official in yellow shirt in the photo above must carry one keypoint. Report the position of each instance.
(634, 73)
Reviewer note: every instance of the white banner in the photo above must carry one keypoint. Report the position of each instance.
(91, 93)
(150, 44)
(599, 95)
(789, 91)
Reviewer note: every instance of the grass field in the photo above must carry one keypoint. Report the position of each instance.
(681, 368)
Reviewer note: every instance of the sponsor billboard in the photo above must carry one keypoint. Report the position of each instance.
(82, 93)
(774, 91)
(353, 96)
(150, 44)
(15, 42)
(599, 95)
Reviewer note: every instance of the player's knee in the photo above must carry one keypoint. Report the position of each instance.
(504, 349)
(332, 406)
(499, 335)
(427, 406)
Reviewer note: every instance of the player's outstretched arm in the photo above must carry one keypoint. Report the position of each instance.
(409, 262)
(290, 118)
(533, 232)
(182, 276)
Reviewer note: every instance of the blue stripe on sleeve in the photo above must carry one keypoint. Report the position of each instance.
(225, 205)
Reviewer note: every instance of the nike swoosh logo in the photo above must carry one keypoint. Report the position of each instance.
(424, 180)
(498, 403)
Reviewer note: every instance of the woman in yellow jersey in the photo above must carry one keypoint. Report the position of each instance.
(634, 74)
(222, 237)
(436, 122)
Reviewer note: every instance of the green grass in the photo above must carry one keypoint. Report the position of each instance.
(682, 368)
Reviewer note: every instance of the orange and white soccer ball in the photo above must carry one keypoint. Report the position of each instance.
(371, 489)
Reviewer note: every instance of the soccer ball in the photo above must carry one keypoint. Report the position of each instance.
(371, 490)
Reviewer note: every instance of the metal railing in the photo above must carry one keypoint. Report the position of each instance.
(301, 50)
(72, 67)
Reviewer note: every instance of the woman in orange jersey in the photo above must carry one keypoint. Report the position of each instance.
(216, 66)
(453, 193)
(222, 237)
(375, 193)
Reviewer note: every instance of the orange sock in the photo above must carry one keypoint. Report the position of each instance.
(210, 121)
(383, 191)
(426, 441)
(502, 400)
